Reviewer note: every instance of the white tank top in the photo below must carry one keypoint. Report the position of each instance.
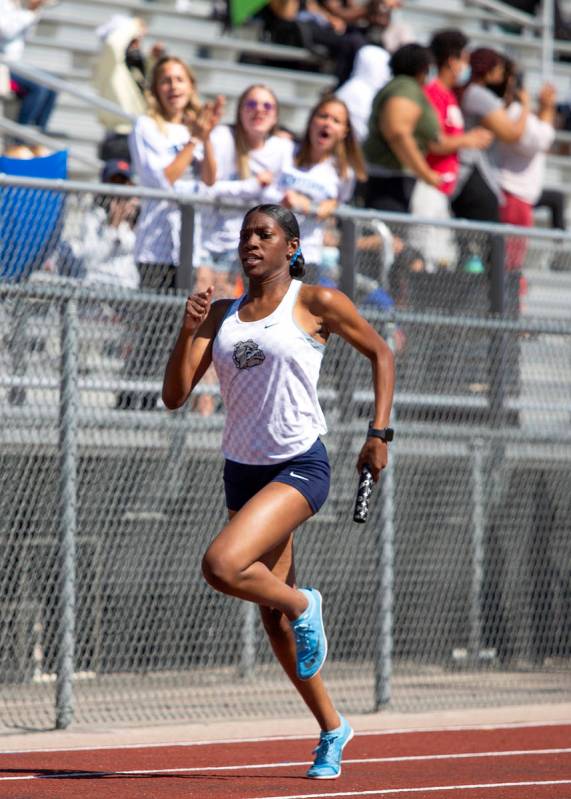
(268, 372)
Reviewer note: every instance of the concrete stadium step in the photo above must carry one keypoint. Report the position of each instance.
(101, 10)
(213, 75)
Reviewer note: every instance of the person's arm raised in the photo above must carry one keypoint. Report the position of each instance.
(340, 316)
(192, 353)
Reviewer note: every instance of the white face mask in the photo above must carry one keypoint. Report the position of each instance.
(464, 75)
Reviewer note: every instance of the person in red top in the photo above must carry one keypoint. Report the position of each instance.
(452, 62)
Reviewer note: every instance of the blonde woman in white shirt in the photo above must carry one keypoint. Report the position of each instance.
(322, 172)
(170, 148)
(248, 155)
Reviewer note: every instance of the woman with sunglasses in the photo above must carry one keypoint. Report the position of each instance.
(248, 154)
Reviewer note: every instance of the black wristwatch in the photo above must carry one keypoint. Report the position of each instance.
(386, 434)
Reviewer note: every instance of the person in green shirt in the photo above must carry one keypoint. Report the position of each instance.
(403, 126)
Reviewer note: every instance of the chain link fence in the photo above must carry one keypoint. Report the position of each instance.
(457, 591)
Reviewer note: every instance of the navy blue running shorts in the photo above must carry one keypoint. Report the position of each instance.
(309, 472)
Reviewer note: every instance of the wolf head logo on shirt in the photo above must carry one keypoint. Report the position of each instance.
(247, 354)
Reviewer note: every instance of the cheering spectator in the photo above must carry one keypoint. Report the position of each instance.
(248, 155)
(170, 147)
(370, 73)
(401, 127)
(304, 23)
(478, 192)
(452, 61)
(522, 165)
(322, 174)
(16, 20)
(120, 76)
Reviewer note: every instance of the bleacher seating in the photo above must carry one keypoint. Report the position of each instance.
(65, 43)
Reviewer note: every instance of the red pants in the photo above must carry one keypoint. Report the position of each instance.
(515, 211)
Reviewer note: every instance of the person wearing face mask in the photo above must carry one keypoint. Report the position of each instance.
(448, 47)
(120, 75)
(402, 126)
(522, 165)
(478, 192)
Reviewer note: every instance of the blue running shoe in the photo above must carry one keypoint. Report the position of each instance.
(327, 763)
(310, 640)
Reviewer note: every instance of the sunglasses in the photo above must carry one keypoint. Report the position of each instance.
(253, 105)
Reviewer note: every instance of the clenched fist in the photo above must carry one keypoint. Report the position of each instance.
(196, 309)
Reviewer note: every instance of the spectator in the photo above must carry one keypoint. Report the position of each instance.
(304, 23)
(248, 155)
(16, 20)
(452, 62)
(170, 147)
(522, 165)
(478, 192)
(401, 127)
(102, 252)
(120, 76)
(385, 27)
(370, 73)
(322, 174)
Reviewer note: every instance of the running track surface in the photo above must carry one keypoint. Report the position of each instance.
(503, 762)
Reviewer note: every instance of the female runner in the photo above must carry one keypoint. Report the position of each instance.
(267, 348)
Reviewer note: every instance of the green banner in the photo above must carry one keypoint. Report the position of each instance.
(241, 10)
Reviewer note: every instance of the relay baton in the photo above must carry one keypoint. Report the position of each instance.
(364, 490)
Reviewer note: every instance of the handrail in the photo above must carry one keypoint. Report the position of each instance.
(44, 78)
(30, 134)
(509, 13)
(343, 212)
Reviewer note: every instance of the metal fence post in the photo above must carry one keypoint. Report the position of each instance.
(348, 252)
(498, 343)
(184, 273)
(384, 540)
(547, 34)
(386, 558)
(68, 451)
(248, 640)
(477, 554)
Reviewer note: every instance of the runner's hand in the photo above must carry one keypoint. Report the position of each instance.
(375, 454)
(196, 309)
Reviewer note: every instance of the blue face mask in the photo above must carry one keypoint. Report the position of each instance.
(432, 74)
(464, 76)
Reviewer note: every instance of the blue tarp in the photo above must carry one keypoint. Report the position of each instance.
(30, 219)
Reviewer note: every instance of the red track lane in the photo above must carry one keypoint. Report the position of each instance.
(198, 771)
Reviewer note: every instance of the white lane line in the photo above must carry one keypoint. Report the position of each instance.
(286, 764)
(516, 725)
(431, 789)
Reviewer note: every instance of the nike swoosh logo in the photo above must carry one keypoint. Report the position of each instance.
(272, 324)
(299, 476)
